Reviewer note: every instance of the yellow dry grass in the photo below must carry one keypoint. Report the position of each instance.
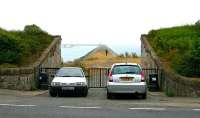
(107, 61)
(99, 59)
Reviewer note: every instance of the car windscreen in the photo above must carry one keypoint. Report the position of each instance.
(69, 72)
(126, 69)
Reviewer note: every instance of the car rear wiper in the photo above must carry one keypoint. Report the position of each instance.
(65, 76)
(130, 72)
(77, 76)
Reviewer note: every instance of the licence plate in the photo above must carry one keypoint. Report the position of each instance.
(126, 78)
(67, 88)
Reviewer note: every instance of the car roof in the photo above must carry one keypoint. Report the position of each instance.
(125, 64)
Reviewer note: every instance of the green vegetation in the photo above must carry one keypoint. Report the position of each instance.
(169, 92)
(179, 47)
(22, 47)
(129, 55)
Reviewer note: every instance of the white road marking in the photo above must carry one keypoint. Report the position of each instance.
(154, 109)
(15, 105)
(196, 109)
(77, 107)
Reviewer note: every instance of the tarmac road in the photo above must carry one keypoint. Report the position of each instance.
(95, 105)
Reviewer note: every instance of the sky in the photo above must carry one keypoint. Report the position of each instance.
(115, 23)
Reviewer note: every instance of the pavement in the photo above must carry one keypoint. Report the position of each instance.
(22, 93)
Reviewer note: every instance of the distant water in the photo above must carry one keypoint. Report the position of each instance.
(69, 54)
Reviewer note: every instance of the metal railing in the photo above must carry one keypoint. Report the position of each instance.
(97, 77)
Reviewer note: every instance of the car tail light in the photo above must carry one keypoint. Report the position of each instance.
(142, 77)
(110, 77)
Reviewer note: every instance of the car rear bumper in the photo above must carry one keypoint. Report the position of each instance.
(113, 87)
(67, 89)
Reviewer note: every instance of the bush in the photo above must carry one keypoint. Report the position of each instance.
(126, 54)
(180, 46)
(32, 29)
(10, 49)
(19, 47)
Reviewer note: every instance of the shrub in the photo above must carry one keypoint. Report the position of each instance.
(180, 46)
(10, 49)
(32, 29)
(19, 47)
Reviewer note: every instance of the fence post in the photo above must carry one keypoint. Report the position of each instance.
(100, 77)
(89, 77)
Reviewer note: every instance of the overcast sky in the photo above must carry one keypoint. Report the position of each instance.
(116, 23)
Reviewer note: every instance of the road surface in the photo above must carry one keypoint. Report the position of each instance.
(97, 106)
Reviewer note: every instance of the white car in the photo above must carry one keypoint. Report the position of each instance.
(126, 78)
(69, 80)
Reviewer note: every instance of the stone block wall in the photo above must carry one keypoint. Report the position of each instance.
(26, 78)
(149, 60)
(180, 85)
(51, 57)
(17, 78)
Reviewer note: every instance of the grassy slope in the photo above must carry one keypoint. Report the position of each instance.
(179, 47)
(21, 48)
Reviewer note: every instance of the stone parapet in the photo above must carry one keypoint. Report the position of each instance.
(172, 83)
(26, 78)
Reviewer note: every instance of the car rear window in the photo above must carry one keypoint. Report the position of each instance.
(69, 72)
(126, 69)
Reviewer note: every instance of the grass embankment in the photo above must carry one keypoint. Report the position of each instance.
(179, 47)
(19, 48)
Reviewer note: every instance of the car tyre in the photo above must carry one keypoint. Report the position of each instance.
(109, 95)
(60, 94)
(144, 95)
(85, 92)
(52, 93)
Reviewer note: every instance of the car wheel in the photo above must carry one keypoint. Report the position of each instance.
(85, 92)
(52, 93)
(144, 95)
(60, 94)
(109, 95)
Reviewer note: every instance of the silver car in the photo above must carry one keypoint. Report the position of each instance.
(126, 78)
